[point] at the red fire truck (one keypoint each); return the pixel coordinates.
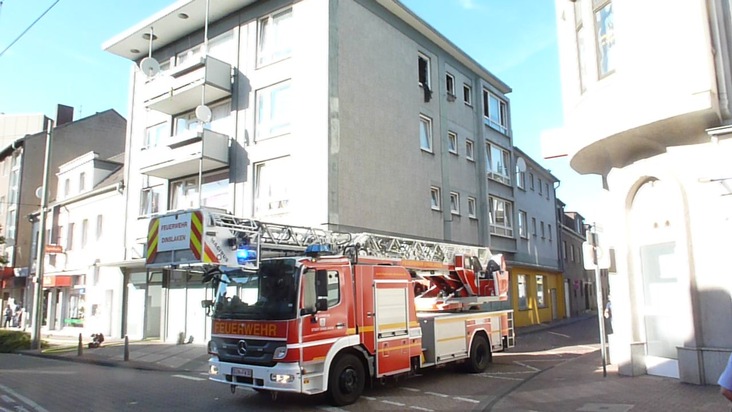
(308, 311)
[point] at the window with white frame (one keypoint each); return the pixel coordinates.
(501, 216)
(472, 207)
(533, 226)
(67, 187)
(10, 223)
(543, 231)
(467, 94)
(435, 199)
(497, 163)
(274, 110)
(156, 134)
(522, 224)
(454, 203)
(423, 68)
(605, 29)
(82, 181)
(469, 150)
(425, 133)
(495, 112)
(581, 45)
(70, 236)
(275, 37)
(564, 249)
(540, 292)
(450, 86)
(84, 232)
(523, 303)
(452, 142)
(99, 227)
(14, 181)
(549, 232)
(546, 190)
(214, 191)
(219, 47)
(189, 123)
(150, 198)
(520, 178)
(541, 191)
(531, 180)
(271, 186)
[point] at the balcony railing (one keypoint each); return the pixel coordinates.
(180, 89)
(184, 155)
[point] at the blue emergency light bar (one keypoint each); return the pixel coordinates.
(245, 255)
(318, 250)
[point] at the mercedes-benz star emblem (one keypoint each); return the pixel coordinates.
(241, 347)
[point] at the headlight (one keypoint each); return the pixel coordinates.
(212, 348)
(281, 378)
(280, 352)
(213, 370)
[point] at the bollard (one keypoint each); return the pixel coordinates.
(80, 349)
(127, 349)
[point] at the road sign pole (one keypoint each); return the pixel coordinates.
(598, 294)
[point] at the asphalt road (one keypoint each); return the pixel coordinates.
(39, 384)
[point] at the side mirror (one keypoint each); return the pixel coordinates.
(206, 304)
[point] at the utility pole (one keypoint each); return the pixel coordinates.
(598, 294)
(40, 256)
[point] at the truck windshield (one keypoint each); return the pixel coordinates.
(268, 294)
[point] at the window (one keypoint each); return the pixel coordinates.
(531, 180)
(467, 95)
(501, 212)
(14, 186)
(435, 201)
(469, 150)
(10, 224)
(423, 66)
(452, 142)
(275, 37)
(67, 187)
(450, 86)
(3, 205)
(472, 208)
(497, 163)
(82, 181)
(271, 186)
(425, 133)
(564, 249)
(214, 192)
(274, 110)
(150, 200)
(520, 178)
(540, 188)
(543, 231)
(522, 221)
(154, 135)
(454, 203)
(605, 29)
(84, 232)
(581, 52)
(546, 190)
(70, 236)
(549, 232)
(99, 227)
(533, 226)
(334, 288)
(571, 253)
(523, 303)
(540, 297)
(495, 112)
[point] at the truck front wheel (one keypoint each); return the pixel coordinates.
(346, 380)
(480, 355)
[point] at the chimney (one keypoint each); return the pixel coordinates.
(64, 114)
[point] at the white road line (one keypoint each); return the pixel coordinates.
(419, 408)
(410, 389)
(23, 399)
(331, 409)
(457, 398)
(191, 378)
(7, 399)
(37, 372)
(526, 366)
(393, 403)
(507, 373)
(560, 334)
(369, 398)
(503, 377)
(441, 395)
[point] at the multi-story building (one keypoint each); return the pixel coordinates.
(646, 90)
(352, 115)
(579, 283)
(22, 164)
(536, 276)
(85, 225)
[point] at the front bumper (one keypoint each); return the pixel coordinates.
(283, 377)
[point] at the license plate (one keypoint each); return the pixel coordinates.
(247, 373)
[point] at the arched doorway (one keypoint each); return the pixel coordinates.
(661, 297)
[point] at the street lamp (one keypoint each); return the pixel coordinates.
(38, 286)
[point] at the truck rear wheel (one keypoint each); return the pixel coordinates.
(346, 380)
(480, 355)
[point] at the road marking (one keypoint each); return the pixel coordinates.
(411, 389)
(457, 398)
(31, 372)
(502, 377)
(331, 409)
(393, 403)
(23, 399)
(191, 378)
(419, 408)
(441, 395)
(7, 399)
(560, 334)
(369, 398)
(526, 366)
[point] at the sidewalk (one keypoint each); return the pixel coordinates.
(575, 385)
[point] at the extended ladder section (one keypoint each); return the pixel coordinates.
(448, 276)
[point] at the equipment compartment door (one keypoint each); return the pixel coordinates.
(392, 327)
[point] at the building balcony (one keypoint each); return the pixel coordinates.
(181, 88)
(183, 155)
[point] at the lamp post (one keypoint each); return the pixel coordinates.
(38, 286)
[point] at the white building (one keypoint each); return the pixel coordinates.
(646, 100)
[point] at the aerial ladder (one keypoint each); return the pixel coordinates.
(447, 276)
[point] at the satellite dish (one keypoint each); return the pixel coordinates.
(521, 164)
(150, 66)
(39, 192)
(203, 113)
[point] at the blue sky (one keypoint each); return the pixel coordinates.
(60, 60)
